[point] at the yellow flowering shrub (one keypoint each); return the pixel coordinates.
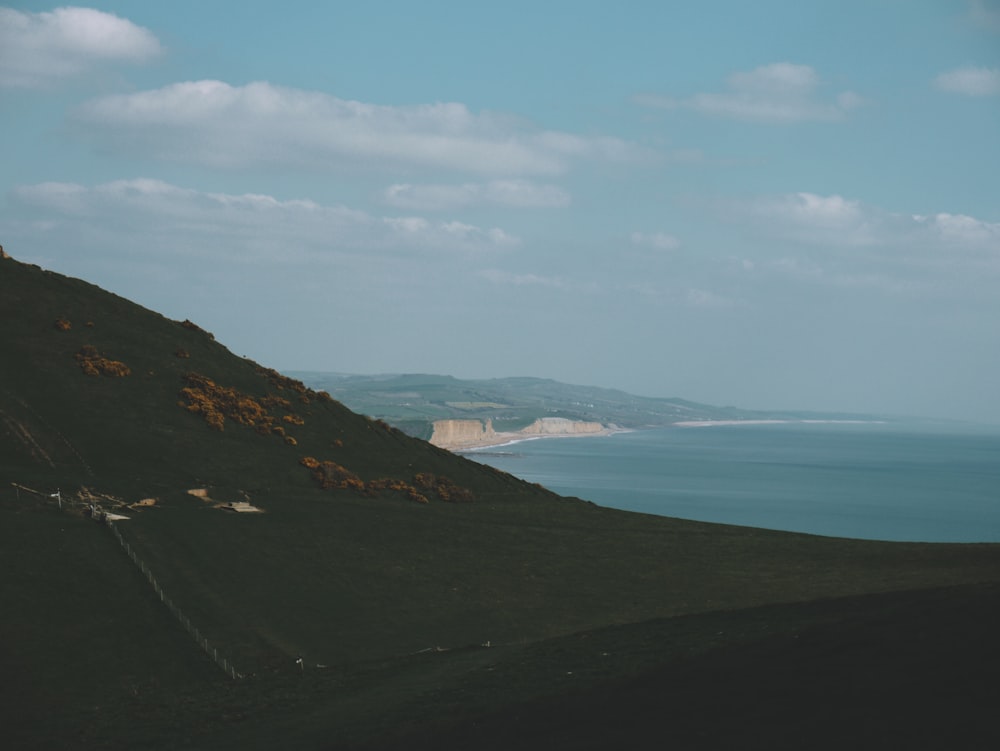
(93, 363)
(443, 487)
(273, 400)
(216, 403)
(330, 475)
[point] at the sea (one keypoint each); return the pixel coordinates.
(876, 481)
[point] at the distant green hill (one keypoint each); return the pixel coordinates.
(392, 594)
(413, 402)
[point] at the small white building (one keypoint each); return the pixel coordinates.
(240, 507)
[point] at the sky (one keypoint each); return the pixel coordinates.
(772, 205)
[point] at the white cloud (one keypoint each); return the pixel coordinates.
(839, 221)
(775, 93)
(811, 217)
(521, 280)
(512, 193)
(213, 123)
(418, 231)
(37, 48)
(141, 213)
(840, 242)
(970, 81)
(961, 230)
(657, 240)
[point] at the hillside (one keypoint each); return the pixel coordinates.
(135, 433)
(390, 594)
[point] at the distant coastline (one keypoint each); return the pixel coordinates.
(474, 435)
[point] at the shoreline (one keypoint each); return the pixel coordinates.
(498, 440)
(509, 439)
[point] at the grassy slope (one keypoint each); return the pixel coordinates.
(347, 581)
(369, 578)
(80, 630)
(906, 670)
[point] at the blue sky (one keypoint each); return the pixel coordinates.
(774, 204)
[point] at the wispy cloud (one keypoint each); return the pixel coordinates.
(656, 240)
(498, 276)
(970, 81)
(214, 123)
(702, 298)
(812, 217)
(511, 193)
(847, 243)
(415, 230)
(835, 273)
(39, 48)
(143, 214)
(962, 231)
(835, 220)
(775, 93)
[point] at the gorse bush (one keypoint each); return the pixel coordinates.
(220, 403)
(444, 487)
(93, 363)
(273, 400)
(329, 475)
(216, 403)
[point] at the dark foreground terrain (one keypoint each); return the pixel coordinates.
(393, 595)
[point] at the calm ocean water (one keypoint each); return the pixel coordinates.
(872, 481)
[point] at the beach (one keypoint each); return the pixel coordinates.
(509, 439)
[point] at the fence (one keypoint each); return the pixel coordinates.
(201, 640)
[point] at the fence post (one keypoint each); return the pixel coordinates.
(202, 641)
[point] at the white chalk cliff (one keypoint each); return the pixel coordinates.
(463, 434)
